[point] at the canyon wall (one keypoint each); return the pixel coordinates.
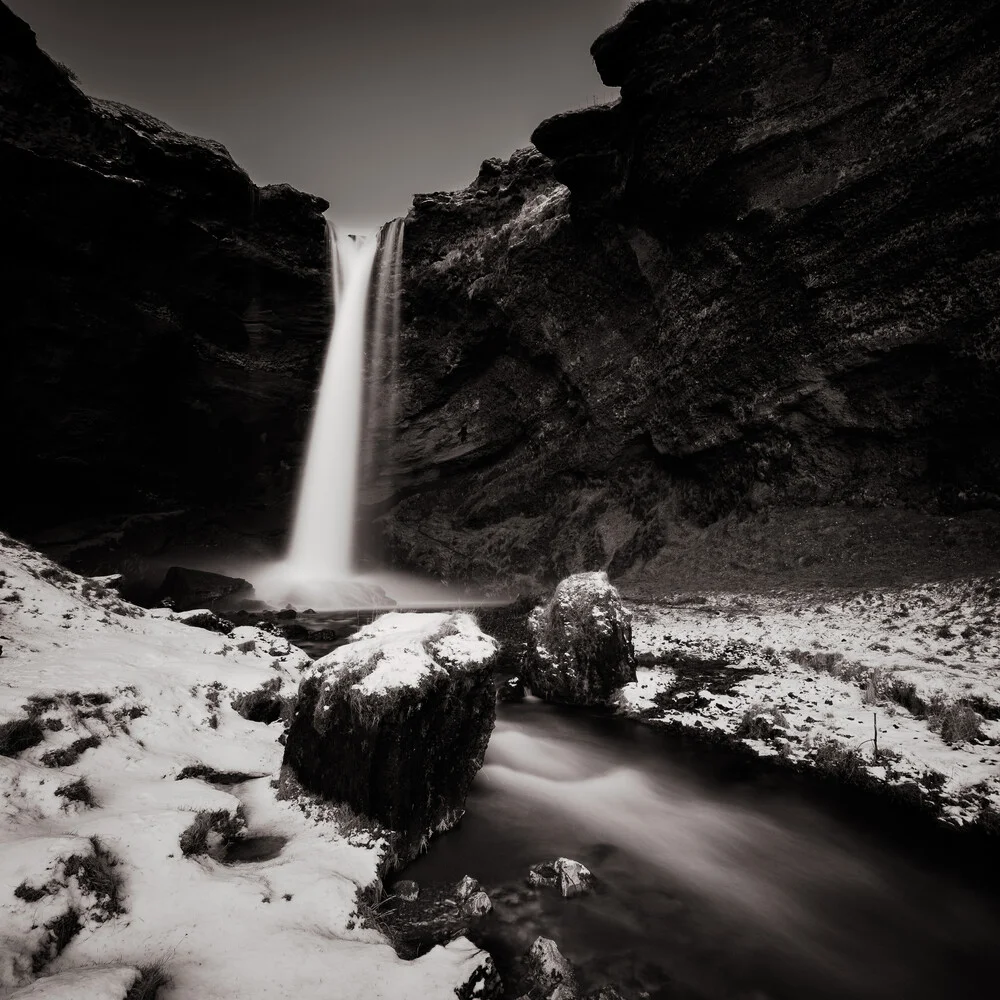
(163, 317)
(764, 280)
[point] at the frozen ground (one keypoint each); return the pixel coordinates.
(820, 679)
(94, 883)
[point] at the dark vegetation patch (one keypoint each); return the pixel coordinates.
(959, 721)
(694, 674)
(151, 979)
(66, 756)
(215, 777)
(264, 704)
(56, 574)
(761, 722)
(99, 875)
(59, 932)
(78, 791)
(31, 893)
(211, 832)
(19, 735)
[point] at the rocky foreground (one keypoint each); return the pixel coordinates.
(204, 806)
(142, 837)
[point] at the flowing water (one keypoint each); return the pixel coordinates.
(708, 888)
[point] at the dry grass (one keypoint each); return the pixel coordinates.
(98, 874)
(67, 756)
(152, 978)
(760, 721)
(19, 735)
(78, 791)
(211, 831)
(957, 723)
(264, 704)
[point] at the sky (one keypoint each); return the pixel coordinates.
(365, 102)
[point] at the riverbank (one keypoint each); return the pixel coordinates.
(894, 690)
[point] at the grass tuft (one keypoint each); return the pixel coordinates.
(19, 735)
(759, 722)
(66, 756)
(211, 831)
(957, 723)
(78, 791)
(152, 978)
(99, 875)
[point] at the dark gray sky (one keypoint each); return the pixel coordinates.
(362, 101)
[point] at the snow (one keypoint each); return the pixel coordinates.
(80, 984)
(944, 638)
(156, 693)
(403, 649)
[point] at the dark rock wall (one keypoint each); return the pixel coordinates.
(772, 282)
(163, 317)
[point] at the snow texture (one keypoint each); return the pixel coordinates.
(150, 696)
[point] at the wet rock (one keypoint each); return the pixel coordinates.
(549, 971)
(570, 877)
(608, 992)
(203, 618)
(581, 643)
(671, 354)
(438, 913)
(396, 722)
(512, 690)
(188, 589)
(407, 889)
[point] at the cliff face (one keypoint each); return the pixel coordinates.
(765, 278)
(163, 316)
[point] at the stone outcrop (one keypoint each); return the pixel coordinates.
(581, 649)
(570, 877)
(395, 723)
(164, 317)
(189, 589)
(764, 279)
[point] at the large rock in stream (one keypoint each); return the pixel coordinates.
(396, 722)
(581, 650)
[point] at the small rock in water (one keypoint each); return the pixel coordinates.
(466, 887)
(407, 889)
(608, 992)
(477, 905)
(549, 970)
(570, 877)
(512, 690)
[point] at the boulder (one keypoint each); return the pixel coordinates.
(395, 723)
(549, 972)
(188, 589)
(512, 690)
(581, 649)
(406, 889)
(203, 618)
(570, 877)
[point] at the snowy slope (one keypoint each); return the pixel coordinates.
(846, 669)
(148, 696)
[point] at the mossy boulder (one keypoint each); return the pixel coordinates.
(396, 722)
(581, 649)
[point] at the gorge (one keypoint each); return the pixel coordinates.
(682, 419)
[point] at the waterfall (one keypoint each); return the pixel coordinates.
(322, 542)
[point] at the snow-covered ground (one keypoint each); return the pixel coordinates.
(819, 679)
(125, 700)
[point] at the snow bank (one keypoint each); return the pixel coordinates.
(124, 701)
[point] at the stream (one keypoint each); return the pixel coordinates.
(709, 886)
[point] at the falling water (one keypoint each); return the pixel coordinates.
(322, 543)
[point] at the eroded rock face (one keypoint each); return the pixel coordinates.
(581, 643)
(763, 279)
(164, 317)
(396, 722)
